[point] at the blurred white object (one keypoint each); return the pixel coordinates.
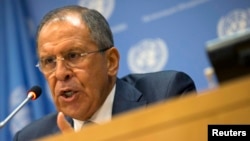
(210, 76)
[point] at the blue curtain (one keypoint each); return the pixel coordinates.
(18, 72)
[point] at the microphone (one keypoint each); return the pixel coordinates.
(33, 94)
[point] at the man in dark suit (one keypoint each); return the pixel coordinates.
(78, 59)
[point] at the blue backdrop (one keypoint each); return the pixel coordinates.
(150, 35)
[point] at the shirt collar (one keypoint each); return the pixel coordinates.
(103, 114)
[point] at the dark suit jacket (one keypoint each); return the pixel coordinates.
(132, 91)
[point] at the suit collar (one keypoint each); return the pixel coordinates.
(126, 98)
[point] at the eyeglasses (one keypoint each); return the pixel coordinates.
(71, 59)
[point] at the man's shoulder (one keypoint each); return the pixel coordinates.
(161, 77)
(50, 118)
(135, 77)
(160, 85)
(39, 128)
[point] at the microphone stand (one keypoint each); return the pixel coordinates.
(15, 111)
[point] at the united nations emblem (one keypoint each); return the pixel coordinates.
(105, 7)
(22, 118)
(236, 21)
(149, 55)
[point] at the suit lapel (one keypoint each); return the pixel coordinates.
(126, 98)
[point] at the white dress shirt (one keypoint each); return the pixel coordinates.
(102, 115)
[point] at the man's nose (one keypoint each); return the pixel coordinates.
(62, 70)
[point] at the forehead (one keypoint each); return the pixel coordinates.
(63, 30)
(60, 29)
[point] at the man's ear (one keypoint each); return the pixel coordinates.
(113, 58)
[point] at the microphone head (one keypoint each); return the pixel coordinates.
(35, 91)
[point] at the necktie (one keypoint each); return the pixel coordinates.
(86, 123)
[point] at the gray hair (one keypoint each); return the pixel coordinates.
(98, 26)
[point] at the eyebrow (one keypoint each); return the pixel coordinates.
(66, 50)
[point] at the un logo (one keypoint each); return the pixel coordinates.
(103, 6)
(149, 55)
(22, 118)
(236, 21)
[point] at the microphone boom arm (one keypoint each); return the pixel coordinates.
(16, 110)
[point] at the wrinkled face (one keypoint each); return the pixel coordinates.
(77, 91)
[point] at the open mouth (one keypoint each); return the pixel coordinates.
(67, 94)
